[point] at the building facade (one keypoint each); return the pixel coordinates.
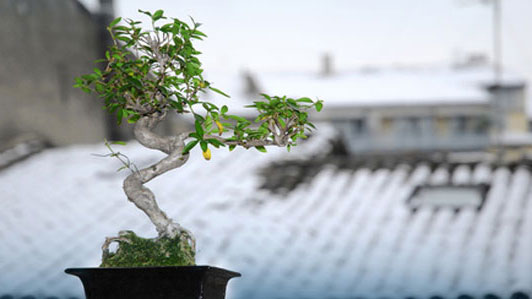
(436, 126)
(45, 45)
(413, 110)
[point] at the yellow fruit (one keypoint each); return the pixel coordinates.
(207, 154)
(220, 128)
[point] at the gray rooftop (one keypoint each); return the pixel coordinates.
(344, 233)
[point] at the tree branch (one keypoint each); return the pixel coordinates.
(244, 143)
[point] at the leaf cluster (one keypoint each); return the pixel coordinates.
(154, 71)
(149, 71)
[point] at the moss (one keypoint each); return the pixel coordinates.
(134, 251)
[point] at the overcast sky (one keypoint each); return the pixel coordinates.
(292, 35)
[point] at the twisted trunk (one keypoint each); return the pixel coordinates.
(134, 187)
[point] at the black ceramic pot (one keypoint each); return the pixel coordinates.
(190, 282)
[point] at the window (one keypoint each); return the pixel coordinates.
(449, 196)
(409, 126)
(442, 126)
(413, 125)
(387, 125)
(359, 126)
(481, 124)
(460, 125)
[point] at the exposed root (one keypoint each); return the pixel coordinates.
(109, 240)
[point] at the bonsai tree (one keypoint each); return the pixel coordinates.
(150, 74)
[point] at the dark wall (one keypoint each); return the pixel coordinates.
(44, 44)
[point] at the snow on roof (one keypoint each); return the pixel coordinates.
(20, 149)
(345, 233)
(377, 87)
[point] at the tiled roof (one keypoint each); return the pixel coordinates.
(343, 234)
(20, 149)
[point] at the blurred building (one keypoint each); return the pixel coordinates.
(471, 118)
(45, 44)
(411, 110)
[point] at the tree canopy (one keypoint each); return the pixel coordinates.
(155, 71)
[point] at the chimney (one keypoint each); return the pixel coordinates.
(251, 87)
(326, 65)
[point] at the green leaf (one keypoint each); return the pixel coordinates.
(319, 106)
(237, 118)
(118, 142)
(224, 109)
(266, 96)
(167, 27)
(209, 106)
(176, 105)
(208, 124)
(157, 15)
(99, 87)
(304, 100)
(197, 32)
(133, 119)
(189, 146)
(193, 22)
(292, 102)
(122, 28)
(135, 82)
(85, 89)
(215, 142)
(115, 21)
(199, 128)
(283, 124)
(112, 107)
(145, 12)
(204, 145)
(232, 147)
(194, 135)
(124, 39)
(219, 91)
(261, 149)
(119, 115)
